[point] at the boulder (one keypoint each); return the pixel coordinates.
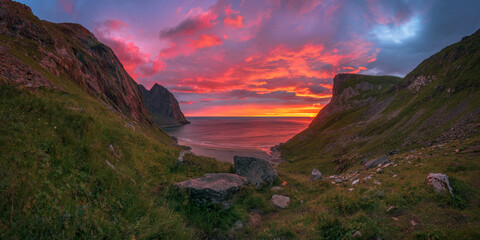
(213, 187)
(316, 175)
(440, 182)
(375, 162)
(258, 171)
(280, 201)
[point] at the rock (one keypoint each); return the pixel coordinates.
(163, 106)
(355, 182)
(357, 234)
(375, 162)
(391, 208)
(276, 188)
(413, 222)
(379, 170)
(316, 175)
(181, 155)
(440, 182)
(280, 201)
(213, 187)
(258, 171)
(377, 182)
(350, 189)
(338, 180)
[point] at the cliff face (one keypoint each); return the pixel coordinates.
(163, 106)
(373, 115)
(34, 48)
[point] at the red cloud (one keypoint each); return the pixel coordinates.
(205, 41)
(235, 22)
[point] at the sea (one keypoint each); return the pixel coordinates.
(224, 137)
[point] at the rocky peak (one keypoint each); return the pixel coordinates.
(68, 51)
(354, 90)
(163, 106)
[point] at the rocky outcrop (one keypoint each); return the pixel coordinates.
(67, 51)
(352, 91)
(280, 201)
(258, 171)
(163, 106)
(439, 182)
(213, 188)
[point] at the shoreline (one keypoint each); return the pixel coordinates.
(226, 154)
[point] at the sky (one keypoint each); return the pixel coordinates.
(269, 57)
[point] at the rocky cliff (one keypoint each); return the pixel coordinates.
(373, 115)
(34, 51)
(163, 106)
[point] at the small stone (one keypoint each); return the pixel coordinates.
(377, 182)
(395, 175)
(280, 201)
(276, 188)
(457, 150)
(391, 208)
(350, 189)
(394, 218)
(355, 182)
(413, 222)
(379, 170)
(338, 180)
(357, 234)
(316, 175)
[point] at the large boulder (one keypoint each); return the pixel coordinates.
(316, 175)
(440, 182)
(258, 171)
(213, 187)
(375, 162)
(280, 201)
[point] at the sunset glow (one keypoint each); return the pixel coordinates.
(255, 58)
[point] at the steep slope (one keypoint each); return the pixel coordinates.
(65, 50)
(437, 102)
(163, 106)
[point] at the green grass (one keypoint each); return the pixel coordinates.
(56, 182)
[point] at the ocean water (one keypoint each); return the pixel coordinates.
(224, 137)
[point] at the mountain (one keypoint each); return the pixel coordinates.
(64, 50)
(163, 106)
(370, 116)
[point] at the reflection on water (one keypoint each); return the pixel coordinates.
(225, 137)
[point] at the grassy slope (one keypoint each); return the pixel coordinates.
(322, 210)
(55, 181)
